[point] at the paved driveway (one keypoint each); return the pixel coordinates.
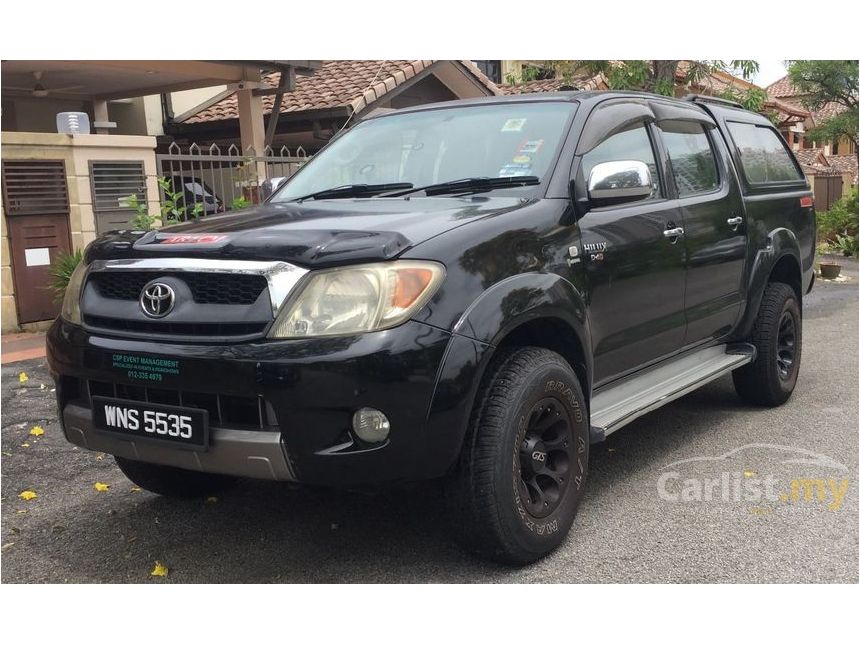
(645, 517)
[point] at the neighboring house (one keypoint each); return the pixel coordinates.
(827, 174)
(785, 91)
(789, 118)
(340, 92)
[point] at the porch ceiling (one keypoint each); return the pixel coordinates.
(116, 79)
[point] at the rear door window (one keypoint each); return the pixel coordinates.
(693, 164)
(763, 154)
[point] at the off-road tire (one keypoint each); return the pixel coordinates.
(485, 494)
(172, 482)
(763, 382)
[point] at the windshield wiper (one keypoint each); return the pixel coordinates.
(354, 190)
(469, 185)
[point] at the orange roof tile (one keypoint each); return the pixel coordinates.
(337, 83)
(844, 164)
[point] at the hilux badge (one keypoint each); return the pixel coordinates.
(157, 299)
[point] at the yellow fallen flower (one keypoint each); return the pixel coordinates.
(160, 570)
(27, 495)
(37, 431)
(23, 378)
(100, 487)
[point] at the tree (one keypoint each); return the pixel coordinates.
(820, 82)
(660, 76)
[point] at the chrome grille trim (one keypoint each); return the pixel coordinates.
(282, 277)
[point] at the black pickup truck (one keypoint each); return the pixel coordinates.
(472, 291)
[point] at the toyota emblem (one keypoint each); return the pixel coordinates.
(157, 299)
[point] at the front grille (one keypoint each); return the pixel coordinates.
(237, 412)
(206, 288)
(174, 328)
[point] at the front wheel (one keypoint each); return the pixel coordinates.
(522, 473)
(770, 379)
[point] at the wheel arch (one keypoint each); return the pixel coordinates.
(778, 261)
(535, 309)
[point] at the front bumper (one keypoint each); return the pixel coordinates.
(306, 391)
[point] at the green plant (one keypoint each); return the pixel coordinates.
(848, 245)
(840, 220)
(823, 82)
(239, 202)
(172, 210)
(659, 76)
(61, 272)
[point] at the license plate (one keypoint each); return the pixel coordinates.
(187, 427)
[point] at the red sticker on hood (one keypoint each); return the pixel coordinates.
(190, 238)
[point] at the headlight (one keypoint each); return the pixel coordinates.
(71, 310)
(355, 299)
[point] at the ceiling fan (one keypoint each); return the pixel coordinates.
(38, 90)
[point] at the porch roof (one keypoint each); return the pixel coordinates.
(118, 79)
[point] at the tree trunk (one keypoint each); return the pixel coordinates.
(663, 73)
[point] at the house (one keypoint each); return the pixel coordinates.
(61, 189)
(207, 125)
(783, 90)
(340, 92)
(827, 174)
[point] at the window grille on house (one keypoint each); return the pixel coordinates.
(35, 188)
(112, 184)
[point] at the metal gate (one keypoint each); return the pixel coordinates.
(36, 203)
(222, 180)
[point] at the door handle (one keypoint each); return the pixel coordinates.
(734, 222)
(673, 233)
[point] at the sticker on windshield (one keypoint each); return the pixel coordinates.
(531, 147)
(516, 170)
(522, 159)
(513, 125)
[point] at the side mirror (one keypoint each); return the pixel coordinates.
(271, 185)
(618, 182)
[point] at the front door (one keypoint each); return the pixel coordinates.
(633, 268)
(36, 206)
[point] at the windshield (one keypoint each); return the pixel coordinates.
(434, 146)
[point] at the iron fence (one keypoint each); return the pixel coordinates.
(212, 180)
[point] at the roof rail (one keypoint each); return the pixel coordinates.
(702, 98)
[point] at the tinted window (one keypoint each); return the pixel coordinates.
(693, 163)
(631, 145)
(763, 154)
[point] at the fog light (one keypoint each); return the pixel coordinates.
(370, 425)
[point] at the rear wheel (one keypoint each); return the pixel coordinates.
(172, 482)
(522, 472)
(770, 379)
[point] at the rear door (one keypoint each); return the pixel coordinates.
(714, 220)
(634, 271)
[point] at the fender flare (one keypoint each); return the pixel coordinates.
(497, 312)
(779, 243)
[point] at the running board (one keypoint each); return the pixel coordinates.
(619, 404)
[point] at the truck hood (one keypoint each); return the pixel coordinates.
(311, 234)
